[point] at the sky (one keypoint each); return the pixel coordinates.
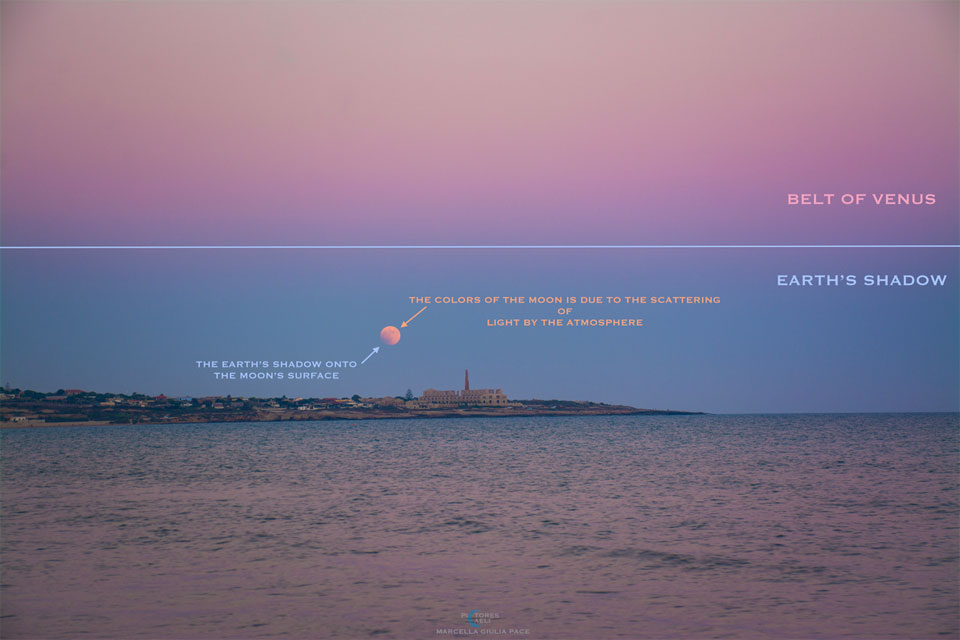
(474, 123)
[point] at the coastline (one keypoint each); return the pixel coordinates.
(324, 416)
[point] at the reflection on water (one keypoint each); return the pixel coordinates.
(817, 526)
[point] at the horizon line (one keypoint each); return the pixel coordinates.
(482, 246)
(955, 410)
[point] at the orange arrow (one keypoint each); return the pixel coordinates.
(412, 317)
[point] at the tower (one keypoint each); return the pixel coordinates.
(466, 380)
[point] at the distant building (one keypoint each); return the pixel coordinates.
(466, 398)
(383, 403)
(435, 398)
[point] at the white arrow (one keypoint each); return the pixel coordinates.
(375, 350)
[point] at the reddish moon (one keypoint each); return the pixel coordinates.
(390, 336)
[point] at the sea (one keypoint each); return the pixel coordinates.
(586, 528)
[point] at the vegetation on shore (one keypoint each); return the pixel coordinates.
(73, 406)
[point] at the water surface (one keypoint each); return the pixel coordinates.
(814, 526)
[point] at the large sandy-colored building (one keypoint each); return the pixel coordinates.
(467, 397)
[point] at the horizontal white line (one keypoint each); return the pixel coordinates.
(492, 246)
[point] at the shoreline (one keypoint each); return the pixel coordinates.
(324, 416)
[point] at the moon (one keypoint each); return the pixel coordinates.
(390, 336)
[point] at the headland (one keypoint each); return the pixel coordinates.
(74, 407)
